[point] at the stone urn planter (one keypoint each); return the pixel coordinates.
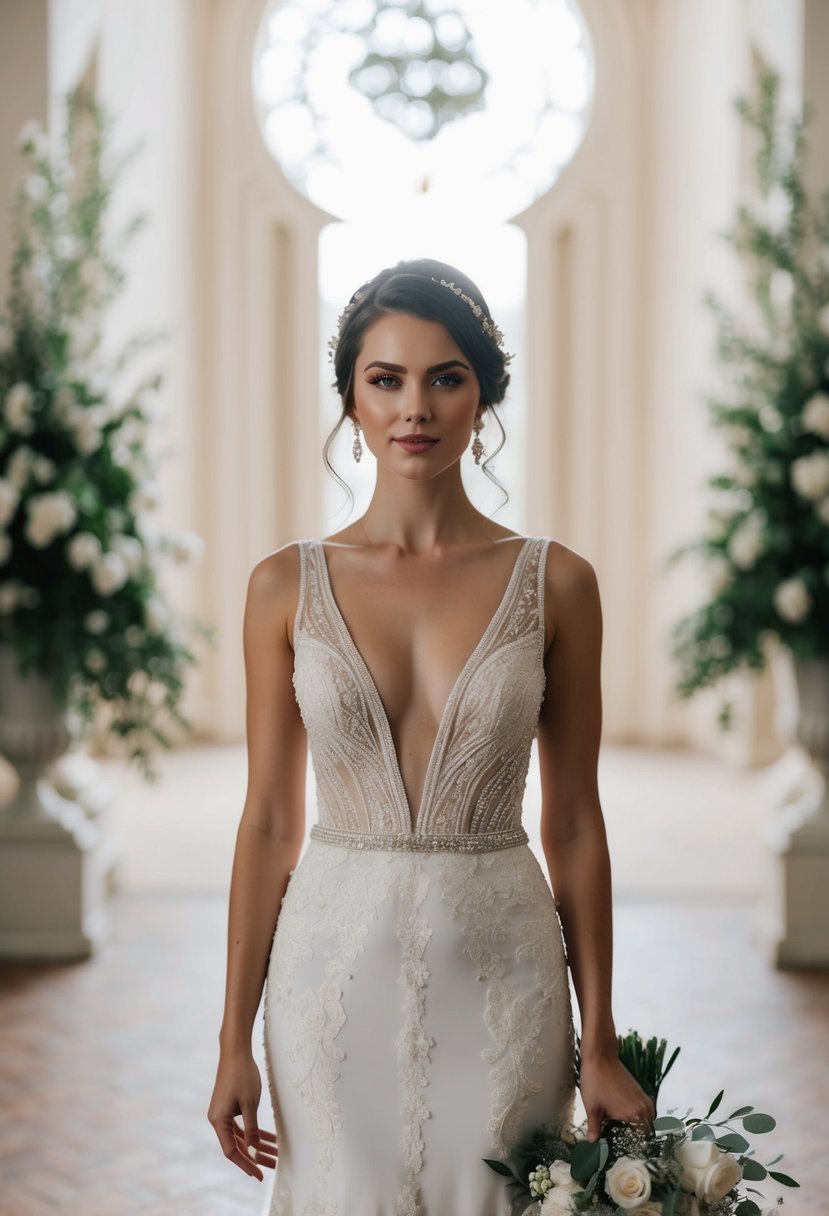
(798, 929)
(51, 891)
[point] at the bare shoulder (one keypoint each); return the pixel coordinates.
(571, 589)
(273, 589)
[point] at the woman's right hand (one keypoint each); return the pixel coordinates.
(237, 1091)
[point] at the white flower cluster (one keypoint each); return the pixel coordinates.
(708, 1171)
(554, 1185)
(746, 542)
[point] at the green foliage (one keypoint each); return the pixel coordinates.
(81, 600)
(766, 548)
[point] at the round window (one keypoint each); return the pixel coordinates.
(433, 105)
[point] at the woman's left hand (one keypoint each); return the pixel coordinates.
(609, 1091)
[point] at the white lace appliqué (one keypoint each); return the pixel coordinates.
(507, 911)
(329, 914)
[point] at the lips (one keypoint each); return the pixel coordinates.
(415, 443)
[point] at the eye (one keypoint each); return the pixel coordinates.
(450, 379)
(384, 380)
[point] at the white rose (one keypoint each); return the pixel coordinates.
(628, 1182)
(694, 1157)
(6, 338)
(720, 1177)
(10, 595)
(19, 466)
(556, 1203)
(792, 600)
(746, 542)
(109, 574)
(44, 469)
(561, 1177)
(32, 138)
(18, 408)
(130, 549)
(5, 548)
(810, 475)
(83, 551)
(9, 498)
(96, 621)
(815, 416)
(96, 661)
(822, 509)
(145, 498)
(823, 319)
(771, 420)
(134, 635)
(86, 433)
(49, 515)
(36, 187)
(652, 1208)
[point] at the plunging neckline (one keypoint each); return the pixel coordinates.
(412, 825)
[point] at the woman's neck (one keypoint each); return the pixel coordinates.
(418, 516)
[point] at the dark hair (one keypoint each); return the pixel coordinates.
(414, 287)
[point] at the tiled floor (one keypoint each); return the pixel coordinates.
(106, 1067)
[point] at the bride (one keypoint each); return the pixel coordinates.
(414, 961)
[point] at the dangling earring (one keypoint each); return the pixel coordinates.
(477, 445)
(356, 447)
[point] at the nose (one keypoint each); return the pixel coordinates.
(417, 405)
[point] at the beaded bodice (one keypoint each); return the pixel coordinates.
(477, 770)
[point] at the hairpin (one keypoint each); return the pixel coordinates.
(489, 327)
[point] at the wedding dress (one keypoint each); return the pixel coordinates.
(417, 1008)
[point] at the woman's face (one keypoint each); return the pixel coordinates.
(412, 379)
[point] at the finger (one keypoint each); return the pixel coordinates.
(594, 1124)
(233, 1153)
(251, 1126)
(262, 1153)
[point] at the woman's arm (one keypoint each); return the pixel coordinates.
(268, 841)
(573, 831)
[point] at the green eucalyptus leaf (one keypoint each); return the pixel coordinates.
(783, 1179)
(753, 1170)
(499, 1167)
(703, 1132)
(733, 1142)
(747, 1207)
(715, 1103)
(667, 1123)
(585, 1158)
(742, 1110)
(759, 1123)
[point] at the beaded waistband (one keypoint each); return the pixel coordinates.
(417, 842)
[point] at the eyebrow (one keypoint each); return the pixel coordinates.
(438, 367)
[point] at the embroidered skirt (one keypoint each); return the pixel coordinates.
(417, 1019)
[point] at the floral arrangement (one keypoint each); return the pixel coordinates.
(766, 547)
(680, 1167)
(81, 601)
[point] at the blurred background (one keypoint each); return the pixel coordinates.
(582, 162)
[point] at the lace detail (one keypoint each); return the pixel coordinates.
(412, 1044)
(507, 911)
(477, 771)
(328, 914)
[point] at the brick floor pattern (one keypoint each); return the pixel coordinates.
(106, 1066)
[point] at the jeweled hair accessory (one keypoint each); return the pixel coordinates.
(333, 342)
(489, 327)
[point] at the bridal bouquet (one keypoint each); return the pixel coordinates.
(681, 1167)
